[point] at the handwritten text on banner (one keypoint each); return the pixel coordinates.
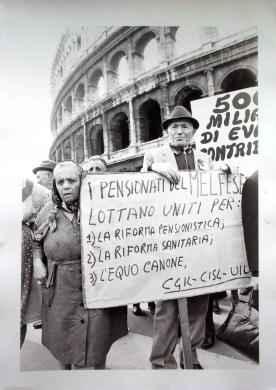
(145, 239)
(229, 127)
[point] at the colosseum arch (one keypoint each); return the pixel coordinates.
(186, 94)
(79, 97)
(95, 140)
(67, 149)
(68, 108)
(238, 79)
(150, 121)
(119, 131)
(119, 73)
(96, 86)
(78, 142)
(146, 54)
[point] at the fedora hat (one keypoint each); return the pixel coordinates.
(47, 165)
(180, 112)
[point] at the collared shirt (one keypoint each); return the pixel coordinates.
(184, 159)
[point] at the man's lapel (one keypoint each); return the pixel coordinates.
(168, 156)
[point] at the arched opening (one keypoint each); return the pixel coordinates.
(123, 73)
(119, 132)
(78, 142)
(95, 140)
(238, 79)
(68, 109)
(67, 150)
(150, 121)
(101, 87)
(96, 86)
(118, 74)
(151, 55)
(146, 54)
(186, 95)
(79, 97)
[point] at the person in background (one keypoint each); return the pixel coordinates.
(44, 173)
(213, 307)
(77, 337)
(34, 197)
(178, 154)
(44, 177)
(250, 212)
(96, 164)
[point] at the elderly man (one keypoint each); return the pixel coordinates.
(44, 173)
(179, 154)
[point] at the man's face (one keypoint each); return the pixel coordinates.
(180, 132)
(96, 166)
(44, 178)
(68, 183)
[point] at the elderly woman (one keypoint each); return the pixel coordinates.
(76, 336)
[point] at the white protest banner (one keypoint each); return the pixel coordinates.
(145, 239)
(229, 128)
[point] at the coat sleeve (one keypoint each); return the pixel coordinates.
(43, 223)
(148, 161)
(250, 222)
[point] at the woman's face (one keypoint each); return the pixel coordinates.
(68, 183)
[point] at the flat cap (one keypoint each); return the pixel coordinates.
(47, 165)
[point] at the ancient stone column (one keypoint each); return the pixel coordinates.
(62, 151)
(85, 148)
(210, 81)
(73, 157)
(130, 61)
(166, 45)
(165, 109)
(132, 133)
(105, 136)
(105, 75)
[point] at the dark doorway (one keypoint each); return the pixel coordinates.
(238, 79)
(119, 132)
(150, 121)
(186, 95)
(95, 141)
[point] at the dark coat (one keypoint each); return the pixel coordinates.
(250, 222)
(73, 334)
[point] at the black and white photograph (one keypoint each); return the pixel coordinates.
(135, 235)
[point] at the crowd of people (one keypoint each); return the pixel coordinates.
(51, 292)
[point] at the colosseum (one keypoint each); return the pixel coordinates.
(113, 86)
